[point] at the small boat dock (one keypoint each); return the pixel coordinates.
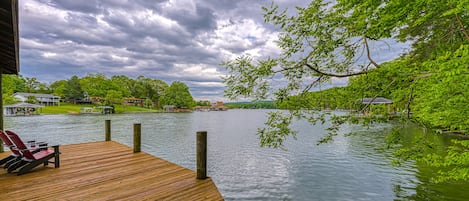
(106, 171)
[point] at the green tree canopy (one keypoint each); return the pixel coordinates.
(73, 88)
(178, 94)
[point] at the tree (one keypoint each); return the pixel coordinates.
(73, 88)
(113, 97)
(96, 85)
(147, 88)
(31, 84)
(178, 94)
(331, 39)
(31, 99)
(11, 84)
(59, 88)
(203, 103)
(123, 84)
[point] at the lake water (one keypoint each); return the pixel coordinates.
(356, 167)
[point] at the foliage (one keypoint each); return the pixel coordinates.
(252, 105)
(448, 164)
(59, 88)
(10, 85)
(203, 103)
(178, 94)
(441, 100)
(73, 89)
(328, 99)
(31, 99)
(455, 163)
(276, 130)
(108, 91)
(113, 97)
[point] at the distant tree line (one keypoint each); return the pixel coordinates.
(252, 105)
(109, 91)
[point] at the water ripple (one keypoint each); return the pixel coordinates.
(350, 168)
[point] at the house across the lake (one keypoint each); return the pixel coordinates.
(218, 106)
(42, 99)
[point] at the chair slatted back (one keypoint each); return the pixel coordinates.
(8, 142)
(20, 145)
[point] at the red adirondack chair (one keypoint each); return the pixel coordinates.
(15, 155)
(30, 160)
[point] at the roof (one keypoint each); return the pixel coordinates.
(35, 95)
(9, 37)
(23, 105)
(377, 100)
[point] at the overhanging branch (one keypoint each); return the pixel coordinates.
(368, 53)
(461, 26)
(333, 74)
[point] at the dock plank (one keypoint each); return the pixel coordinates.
(107, 171)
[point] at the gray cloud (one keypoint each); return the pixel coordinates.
(183, 40)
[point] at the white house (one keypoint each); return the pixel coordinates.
(43, 99)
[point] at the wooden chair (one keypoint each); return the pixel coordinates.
(30, 160)
(15, 155)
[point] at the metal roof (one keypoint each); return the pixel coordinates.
(28, 105)
(9, 37)
(35, 95)
(377, 100)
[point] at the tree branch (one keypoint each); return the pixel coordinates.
(461, 25)
(333, 74)
(315, 82)
(368, 54)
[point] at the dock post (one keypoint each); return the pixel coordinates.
(201, 154)
(107, 129)
(137, 137)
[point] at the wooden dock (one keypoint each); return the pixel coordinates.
(106, 171)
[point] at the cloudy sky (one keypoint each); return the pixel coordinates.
(183, 40)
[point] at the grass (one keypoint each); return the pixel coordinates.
(68, 108)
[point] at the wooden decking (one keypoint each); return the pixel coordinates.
(106, 171)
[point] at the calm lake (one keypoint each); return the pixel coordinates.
(356, 167)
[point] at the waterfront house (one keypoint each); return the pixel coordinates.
(42, 99)
(218, 106)
(133, 101)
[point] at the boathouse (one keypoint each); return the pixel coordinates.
(376, 101)
(21, 109)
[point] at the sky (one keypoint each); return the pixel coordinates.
(170, 40)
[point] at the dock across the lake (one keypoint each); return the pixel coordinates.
(106, 171)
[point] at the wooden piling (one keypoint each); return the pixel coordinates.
(137, 137)
(107, 129)
(201, 154)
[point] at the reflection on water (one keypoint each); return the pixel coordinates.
(350, 168)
